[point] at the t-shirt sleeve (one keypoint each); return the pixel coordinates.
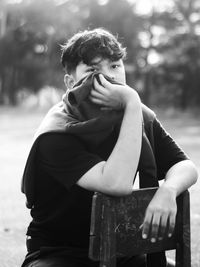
(64, 157)
(167, 151)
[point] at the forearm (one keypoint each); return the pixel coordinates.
(162, 209)
(115, 176)
(180, 177)
(121, 166)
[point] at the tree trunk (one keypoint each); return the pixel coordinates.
(147, 87)
(11, 90)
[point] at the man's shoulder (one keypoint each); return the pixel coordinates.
(55, 140)
(148, 114)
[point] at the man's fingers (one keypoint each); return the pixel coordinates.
(97, 101)
(99, 88)
(146, 225)
(96, 94)
(103, 81)
(172, 221)
(155, 227)
(163, 226)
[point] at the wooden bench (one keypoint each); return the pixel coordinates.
(115, 228)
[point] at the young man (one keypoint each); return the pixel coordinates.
(97, 139)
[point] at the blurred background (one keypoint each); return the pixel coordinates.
(163, 64)
(162, 40)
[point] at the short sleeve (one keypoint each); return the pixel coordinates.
(64, 157)
(167, 151)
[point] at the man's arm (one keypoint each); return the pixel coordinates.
(162, 209)
(115, 176)
(180, 177)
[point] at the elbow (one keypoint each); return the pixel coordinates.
(118, 189)
(120, 192)
(193, 172)
(195, 176)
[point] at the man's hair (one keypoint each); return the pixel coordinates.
(86, 45)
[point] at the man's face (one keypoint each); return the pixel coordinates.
(114, 69)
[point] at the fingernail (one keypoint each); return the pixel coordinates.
(153, 240)
(160, 238)
(140, 227)
(144, 236)
(169, 235)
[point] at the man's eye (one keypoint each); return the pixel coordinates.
(91, 70)
(115, 66)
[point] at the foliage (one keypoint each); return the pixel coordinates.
(163, 45)
(180, 51)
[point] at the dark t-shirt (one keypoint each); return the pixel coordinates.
(61, 213)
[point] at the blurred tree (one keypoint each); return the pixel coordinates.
(24, 61)
(177, 41)
(163, 46)
(36, 28)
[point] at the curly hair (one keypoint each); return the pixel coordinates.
(86, 45)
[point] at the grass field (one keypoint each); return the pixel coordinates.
(17, 126)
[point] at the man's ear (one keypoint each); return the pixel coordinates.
(69, 81)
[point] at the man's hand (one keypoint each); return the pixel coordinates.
(160, 215)
(110, 95)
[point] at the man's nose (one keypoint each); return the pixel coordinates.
(108, 74)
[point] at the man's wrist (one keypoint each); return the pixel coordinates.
(133, 100)
(172, 190)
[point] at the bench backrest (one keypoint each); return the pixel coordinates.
(115, 228)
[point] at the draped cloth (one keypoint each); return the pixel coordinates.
(77, 115)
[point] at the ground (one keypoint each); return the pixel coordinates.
(17, 126)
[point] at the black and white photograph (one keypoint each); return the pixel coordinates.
(99, 133)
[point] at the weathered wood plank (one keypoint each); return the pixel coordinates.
(116, 231)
